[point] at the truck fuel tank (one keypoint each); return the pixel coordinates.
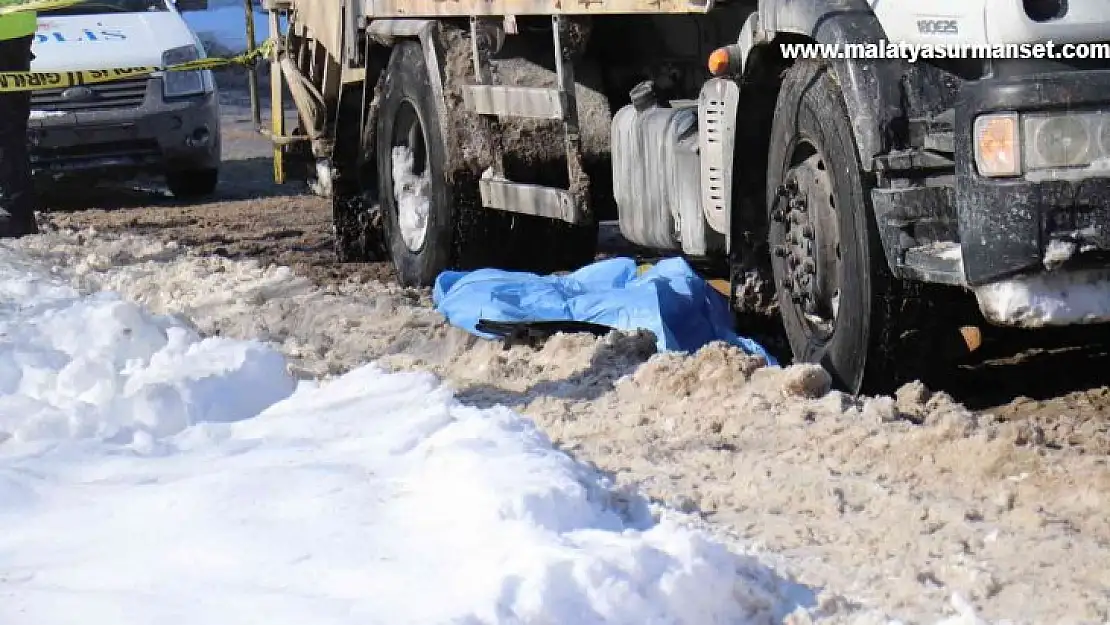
(656, 173)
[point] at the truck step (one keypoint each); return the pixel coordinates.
(528, 199)
(507, 101)
(937, 262)
(492, 101)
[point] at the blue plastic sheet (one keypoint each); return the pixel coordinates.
(670, 299)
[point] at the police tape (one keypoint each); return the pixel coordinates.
(37, 81)
(37, 5)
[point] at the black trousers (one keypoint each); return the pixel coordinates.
(17, 216)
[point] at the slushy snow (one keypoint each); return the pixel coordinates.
(149, 475)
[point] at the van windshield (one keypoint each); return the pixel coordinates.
(93, 7)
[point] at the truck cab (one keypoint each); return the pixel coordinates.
(164, 124)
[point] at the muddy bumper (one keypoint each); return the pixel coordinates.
(113, 135)
(1033, 197)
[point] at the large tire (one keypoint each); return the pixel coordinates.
(408, 118)
(356, 218)
(829, 262)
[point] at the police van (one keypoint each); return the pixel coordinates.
(165, 124)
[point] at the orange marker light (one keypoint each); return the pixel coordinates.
(996, 145)
(719, 62)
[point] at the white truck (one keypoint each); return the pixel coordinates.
(873, 204)
(165, 124)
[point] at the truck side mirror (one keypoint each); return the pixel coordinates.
(191, 5)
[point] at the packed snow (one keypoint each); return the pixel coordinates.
(411, 192)
(149, 475)
(1051, 298)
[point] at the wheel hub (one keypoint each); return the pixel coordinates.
(810, 249)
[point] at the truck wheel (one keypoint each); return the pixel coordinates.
(416, 202)
(840, 305)
(192, 184)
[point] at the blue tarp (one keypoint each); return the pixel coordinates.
(670, 299)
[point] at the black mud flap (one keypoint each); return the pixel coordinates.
(534, 333)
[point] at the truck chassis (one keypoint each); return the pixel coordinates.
(843, 194)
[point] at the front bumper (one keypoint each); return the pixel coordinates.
(1035, 247)
(123, 132)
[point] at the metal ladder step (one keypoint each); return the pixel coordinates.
(559, 104)
(528, 199)
(505, 101)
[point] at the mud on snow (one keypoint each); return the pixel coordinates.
(996, 492)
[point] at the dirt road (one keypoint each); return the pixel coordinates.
(997, 490)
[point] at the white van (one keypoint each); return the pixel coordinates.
(166, 124)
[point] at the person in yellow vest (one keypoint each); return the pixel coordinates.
(17, 216)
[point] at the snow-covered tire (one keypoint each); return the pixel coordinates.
(878, 332)
(408, 119)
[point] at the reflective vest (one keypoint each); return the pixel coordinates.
(15, 25)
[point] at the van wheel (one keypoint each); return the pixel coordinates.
(840, 304)
(193, 183)
(416, 201)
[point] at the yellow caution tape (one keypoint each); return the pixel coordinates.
(37, 5)
(35, 81)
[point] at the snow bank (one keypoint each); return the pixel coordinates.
(150, 476)
(103, 368)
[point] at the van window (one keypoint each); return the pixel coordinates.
(93, 7)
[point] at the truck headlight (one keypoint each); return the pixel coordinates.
(176, 84)
(997, 147)
(1072, 139)
(1043, 143)
(1059, 140)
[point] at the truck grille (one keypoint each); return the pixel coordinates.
(119, 94)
